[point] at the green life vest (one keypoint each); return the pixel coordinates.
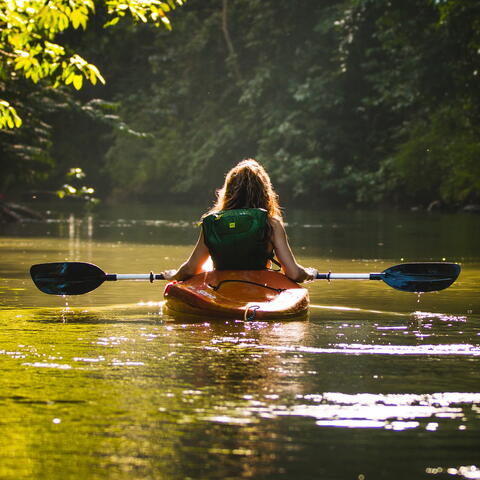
(238, 239)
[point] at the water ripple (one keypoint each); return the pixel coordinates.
(363, 410)
(377, 349)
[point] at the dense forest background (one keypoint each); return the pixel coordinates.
(359, 101)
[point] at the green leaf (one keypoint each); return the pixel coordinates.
(16, 119)
(94, 72)
(112, 22)
(69, 79)
(76, 18)
(78, 81)
(166, 22)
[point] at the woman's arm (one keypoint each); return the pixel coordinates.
(285, 256)
(193, 265)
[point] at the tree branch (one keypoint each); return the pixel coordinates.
(231, 50)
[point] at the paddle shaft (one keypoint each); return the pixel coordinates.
(113, 277)
(109, 277)
(349, 276)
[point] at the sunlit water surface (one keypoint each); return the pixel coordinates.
(375, 383)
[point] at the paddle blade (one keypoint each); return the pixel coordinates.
(67, 278)
(421, 277)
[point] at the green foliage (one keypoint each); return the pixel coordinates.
(28, 47)
(212, 117)
(8, 116)
(440, 159)
(74, 187)
(329, 97)
(27, 41)
(25, 153)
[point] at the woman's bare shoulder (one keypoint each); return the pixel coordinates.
(275, 221)
(277, 224)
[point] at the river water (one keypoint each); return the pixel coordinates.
(375, 383)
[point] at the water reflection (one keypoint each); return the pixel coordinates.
(326, 233)
(389, 411)
(465, 471)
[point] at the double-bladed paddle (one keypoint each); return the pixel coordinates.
(77, 278)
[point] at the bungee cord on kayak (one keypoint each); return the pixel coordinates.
(233, 280)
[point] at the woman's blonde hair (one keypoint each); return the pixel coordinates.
(247, 185)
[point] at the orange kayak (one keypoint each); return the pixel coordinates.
(247, 294)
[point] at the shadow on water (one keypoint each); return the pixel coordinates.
(30, 401)
(116, 315)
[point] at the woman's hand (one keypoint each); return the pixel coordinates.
(168, 274)
(284, 254)
(311, 274)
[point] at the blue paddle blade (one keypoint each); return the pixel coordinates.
(67, 278)
(421, 277)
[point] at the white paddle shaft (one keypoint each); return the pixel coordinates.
(349, 276)
(133, 276)
(331, 276)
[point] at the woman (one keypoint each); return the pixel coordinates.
(244, 229)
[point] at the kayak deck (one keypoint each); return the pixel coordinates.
(248, 294)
